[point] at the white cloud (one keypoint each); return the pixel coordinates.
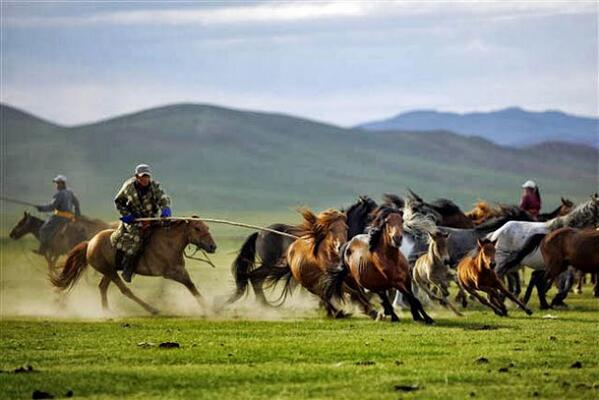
(277, 12)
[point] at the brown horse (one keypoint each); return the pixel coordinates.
(162, 256)
(476, 272)
(375, 263)
(569, 246)
(83, 228)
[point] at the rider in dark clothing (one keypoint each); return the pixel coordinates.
(65, 207)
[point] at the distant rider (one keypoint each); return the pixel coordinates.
(140, 197)
(531, 198)
(65, 206)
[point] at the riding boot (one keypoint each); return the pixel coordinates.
(128, 267)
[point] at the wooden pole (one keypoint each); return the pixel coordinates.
(218, 221)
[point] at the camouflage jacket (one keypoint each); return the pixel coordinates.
(130, 200)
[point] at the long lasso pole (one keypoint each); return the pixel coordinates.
(218, 221)
(25, 203)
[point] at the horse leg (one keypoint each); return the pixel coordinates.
(387, 306)
(359, 297)
(182, 276)
(440, 299)
(418, 313)
(534, 277)
(104, 283)
(127, 292)
(596, 287)
(484, 301)
(564, 284)
(257, 277)
(579, 281)
(513, 298)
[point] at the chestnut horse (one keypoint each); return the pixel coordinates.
(162, 256)
(317, 249)
(569, 246)
(476, 272)
(375, 262)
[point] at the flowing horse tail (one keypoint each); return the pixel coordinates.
(73, 267)
(276, 274)
(243, 265)
(333, 279)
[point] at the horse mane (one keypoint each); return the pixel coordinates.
(531, 244)
(581, 216)
(375, 229)
(358, 215)
(316, 227)
(419, 225)
(393, 200)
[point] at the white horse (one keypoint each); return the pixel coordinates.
(518, 244)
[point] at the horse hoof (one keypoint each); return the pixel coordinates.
(528, 312)
(154, 311)
(429, 322)
(374, 315)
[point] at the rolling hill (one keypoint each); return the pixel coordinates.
(218, 159)
(511, 126)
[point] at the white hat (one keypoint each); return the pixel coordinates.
(60, 178)
(529, 184)
(143, 169)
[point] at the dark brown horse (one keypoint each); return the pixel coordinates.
(162, 256)
(569, 246)
(83, 228)
(375, 263)
(476, 272)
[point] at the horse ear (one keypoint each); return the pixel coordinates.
(445, 234)
(479, 243)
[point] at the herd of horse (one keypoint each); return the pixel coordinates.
(406, 252)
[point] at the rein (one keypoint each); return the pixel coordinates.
(205, 259)
(218, 221)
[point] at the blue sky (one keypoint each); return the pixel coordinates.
(343, 62)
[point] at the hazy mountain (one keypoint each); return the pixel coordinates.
(511, 126)
(213, 158)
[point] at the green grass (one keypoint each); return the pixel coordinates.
(293, 352)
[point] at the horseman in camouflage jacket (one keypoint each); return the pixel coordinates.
(140, 197)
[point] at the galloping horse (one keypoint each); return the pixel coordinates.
(317, 249)
(375, 262)
(518, 244)
(432, 269)
(162, 256)
(475, 272)
(569, 246)
(263, 255)
(67, 237)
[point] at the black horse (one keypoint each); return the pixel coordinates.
(263, 254)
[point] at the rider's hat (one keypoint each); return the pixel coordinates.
(143, 169)
(529, 184)
(60, 178)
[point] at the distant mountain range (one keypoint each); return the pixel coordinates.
(511, 126)
(213, 158)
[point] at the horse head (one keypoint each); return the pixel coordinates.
(387, 221)
(486, 249)
(27, 224)
(198, 233)
(438, 244)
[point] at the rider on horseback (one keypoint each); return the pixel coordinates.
(65, 206)
(140, 197)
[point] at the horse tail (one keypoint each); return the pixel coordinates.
(244, 264)
(280, 274)
(73, 267)
(333, 278)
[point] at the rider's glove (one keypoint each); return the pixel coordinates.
(166, 212)
(128, 219)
